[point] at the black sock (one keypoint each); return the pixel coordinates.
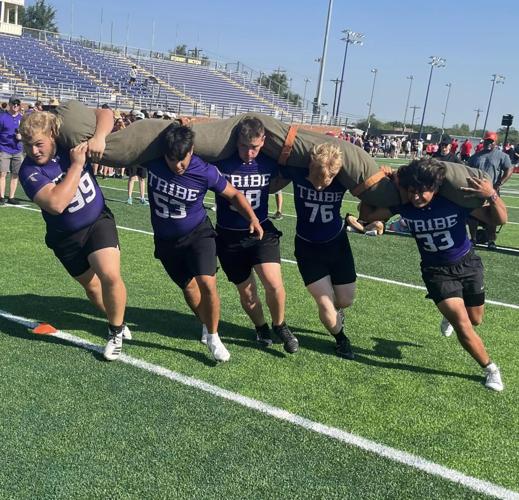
(263, 328)
(339, 337)
(116, 329)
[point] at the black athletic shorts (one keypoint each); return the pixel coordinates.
(463, 279)
(188, 256)
(239, 251)
(137, 170)
(333, 258)
(73, 249)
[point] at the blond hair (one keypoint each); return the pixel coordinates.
(327, 158)
(41, 122)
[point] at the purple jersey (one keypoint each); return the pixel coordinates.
(253, 180)
(85, 207)
(9, 125)
(177, 201)
(318, 212)
(439, 230)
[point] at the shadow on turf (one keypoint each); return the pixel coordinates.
(383, 348)
(71, 313)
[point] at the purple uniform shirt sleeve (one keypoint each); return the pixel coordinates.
(215, 180)
(32, 180)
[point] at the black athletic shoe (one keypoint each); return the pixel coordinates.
(2, 201)
(263, 337)
(290, 342)
(491, 245)
(343, 349)
(13, 201)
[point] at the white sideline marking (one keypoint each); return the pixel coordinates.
(393, 454)
(365, 276)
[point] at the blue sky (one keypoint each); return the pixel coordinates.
(478, 39)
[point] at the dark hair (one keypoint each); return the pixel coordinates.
(250, 128)
(178, 141)
(422, 175)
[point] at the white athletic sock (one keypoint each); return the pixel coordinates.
(213, 337)
(492, 367)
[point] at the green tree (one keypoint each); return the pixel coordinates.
(375, 125)
(180, 50)
(396, 125)
(513, 135)
(40, 16)
(277, 82)
(459, 129)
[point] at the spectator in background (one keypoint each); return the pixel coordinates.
(3, 107)
(513, 152)
(497, 165)
(137, 173)
(454, 146)
(38, 106)
(465, 150)
(419, 148)
(53, 104)
(133, 76)
(407, 148)
(444, 152)
(278, 215)
(11, 155)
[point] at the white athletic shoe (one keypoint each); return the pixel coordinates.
(446, 328)
(114, 347)
(127, 334)
(217, 349)
(205, 334)
(493, 378)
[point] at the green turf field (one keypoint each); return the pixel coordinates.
(74, 426)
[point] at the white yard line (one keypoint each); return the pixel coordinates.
(392, 454)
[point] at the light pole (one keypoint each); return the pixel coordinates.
(495, 79)
(435, 62)
(414, 108)
(335, 82)
(445, 110)
(356, 39)
(410, 78)
(307, 81)
(478, 113)
(374, 71)
(317, 100)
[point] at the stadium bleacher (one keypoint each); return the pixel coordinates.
(66, 69)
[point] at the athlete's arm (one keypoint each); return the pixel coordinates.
(55, 198)
(493, 213)
(240, 203)
(508, 173)
(369, 213)
(104, 125)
